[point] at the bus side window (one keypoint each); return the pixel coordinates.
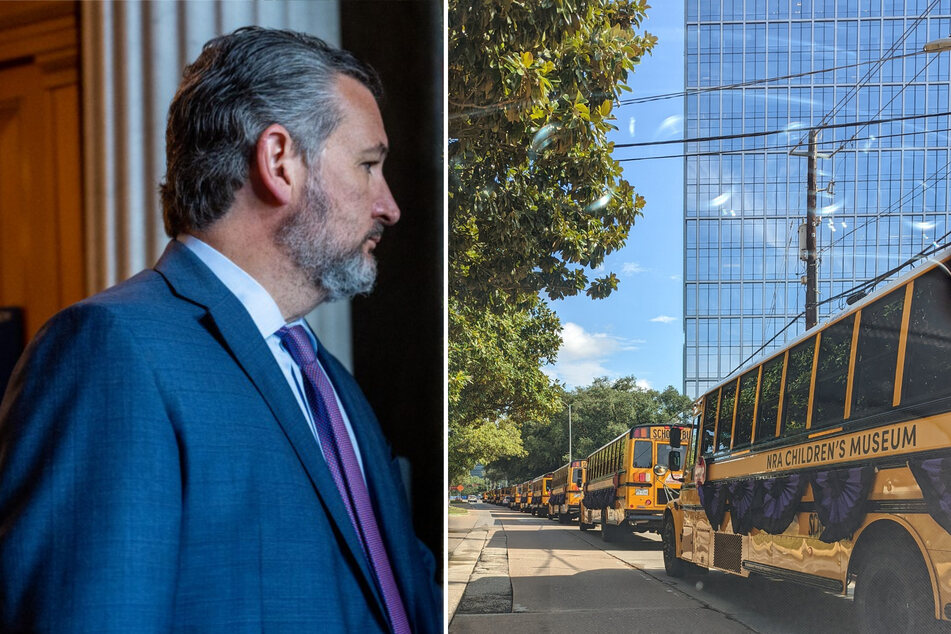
(876, 355)
(928, 351)
(642, 454)
(796, 396)
(768, 410)
(691, 442)
(744, 410)
(832, 372)
(725, 418)
(709, 422)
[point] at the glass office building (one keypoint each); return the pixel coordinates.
(885, 184)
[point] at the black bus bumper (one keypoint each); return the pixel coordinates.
(641, 521)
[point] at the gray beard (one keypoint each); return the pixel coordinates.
(305, 236)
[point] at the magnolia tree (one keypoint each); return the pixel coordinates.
(536, 200)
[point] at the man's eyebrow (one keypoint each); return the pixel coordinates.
(379, 150)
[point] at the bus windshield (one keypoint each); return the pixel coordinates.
(663, 451)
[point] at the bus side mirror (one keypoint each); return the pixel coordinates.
(675, 437)
(673, 461)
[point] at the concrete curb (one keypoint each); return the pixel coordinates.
(462, 561)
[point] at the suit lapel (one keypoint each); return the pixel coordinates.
(191, 279)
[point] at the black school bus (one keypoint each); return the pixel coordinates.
(829, 463)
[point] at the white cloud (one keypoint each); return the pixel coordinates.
(676, 278)
(664, 319)
(644, 384)
(583, 355)
(583, 373)
(578, 345)
(630, 268)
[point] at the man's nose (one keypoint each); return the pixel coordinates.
(385, 208)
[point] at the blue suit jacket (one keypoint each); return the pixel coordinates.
(156, 474)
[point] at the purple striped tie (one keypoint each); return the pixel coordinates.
(342, 462)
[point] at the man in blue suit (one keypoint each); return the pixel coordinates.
(179, 452)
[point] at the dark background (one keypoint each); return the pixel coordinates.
(398, 343)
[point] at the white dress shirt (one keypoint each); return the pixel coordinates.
(267, 317)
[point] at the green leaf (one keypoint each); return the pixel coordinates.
(531, 86)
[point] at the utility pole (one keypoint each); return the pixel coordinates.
(807, 231)
(569, 433)
(811, 317)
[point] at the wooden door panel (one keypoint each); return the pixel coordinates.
(42, 267)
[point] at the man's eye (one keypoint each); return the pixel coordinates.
(368, 166)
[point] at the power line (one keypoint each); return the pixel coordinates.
(853, 138)
(894, 97)
(753, 82)
(854, 89)
(748, 135)
(769, 341)
(768, 148)
(887, 209)
(930, 250)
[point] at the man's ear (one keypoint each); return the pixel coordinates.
(273, 170)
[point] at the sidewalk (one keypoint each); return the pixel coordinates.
(467, 537)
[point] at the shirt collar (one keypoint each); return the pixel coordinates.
(256, 300)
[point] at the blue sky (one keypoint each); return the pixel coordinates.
(638, 330)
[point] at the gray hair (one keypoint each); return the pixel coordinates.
(239, 85)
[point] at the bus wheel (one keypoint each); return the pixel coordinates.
(673, 566)
(893, 593)
(564, 518)
(582, 525)
(607, 530)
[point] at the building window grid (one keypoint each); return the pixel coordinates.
(761, 204)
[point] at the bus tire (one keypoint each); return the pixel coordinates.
(564, 518)
(582, 525)
(673, 565)
(608, 532)
(893, 593)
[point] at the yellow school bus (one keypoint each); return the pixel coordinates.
(522, 495)
(829, 463)
(629, 481)
(566, 484)
(540, 487)
(516, 497)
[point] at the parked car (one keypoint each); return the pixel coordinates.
(472, 499)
